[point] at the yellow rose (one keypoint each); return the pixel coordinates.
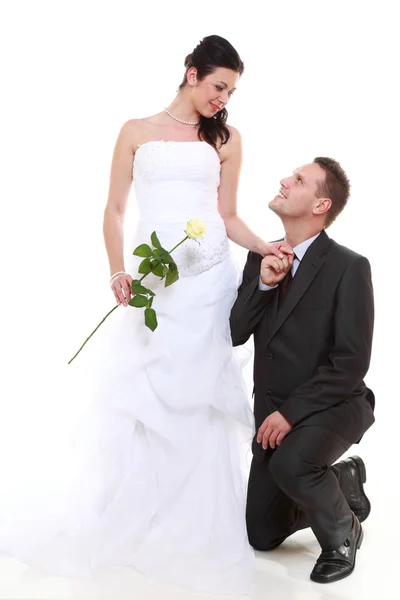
(195, 229)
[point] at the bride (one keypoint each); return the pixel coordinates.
(162, 484)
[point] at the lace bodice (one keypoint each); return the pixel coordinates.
(175, 182)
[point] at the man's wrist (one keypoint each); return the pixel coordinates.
(264, 287)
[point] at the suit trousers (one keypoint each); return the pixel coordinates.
(294, 487)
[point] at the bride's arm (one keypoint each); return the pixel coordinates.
(236, 228)
(114, 213)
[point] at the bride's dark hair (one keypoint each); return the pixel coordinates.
(213, 52)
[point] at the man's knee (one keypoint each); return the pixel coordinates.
(288, 469)
(262, 537)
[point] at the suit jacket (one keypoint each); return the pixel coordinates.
(312, 354)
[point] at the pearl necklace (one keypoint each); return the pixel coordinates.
(180, 120)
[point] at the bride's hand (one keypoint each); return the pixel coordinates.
(121, 286)
(279, 249)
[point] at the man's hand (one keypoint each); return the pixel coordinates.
(274, 269)
(273, 430)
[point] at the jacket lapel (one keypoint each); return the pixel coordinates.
(312, 261)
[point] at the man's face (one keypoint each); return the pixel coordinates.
(297, 195)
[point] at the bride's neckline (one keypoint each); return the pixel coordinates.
(175, 142)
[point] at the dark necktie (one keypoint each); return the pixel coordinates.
(284, 287)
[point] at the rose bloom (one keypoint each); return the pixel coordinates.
(195, 229)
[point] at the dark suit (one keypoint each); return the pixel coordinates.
(311, 356)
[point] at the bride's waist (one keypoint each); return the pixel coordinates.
(169, 214)
(193, 256)
(171, 225)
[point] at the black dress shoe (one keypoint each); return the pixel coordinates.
(351, 474)
(333, 565)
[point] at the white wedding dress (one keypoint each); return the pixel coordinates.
(161, 452)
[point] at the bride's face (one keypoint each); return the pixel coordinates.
(212, 94)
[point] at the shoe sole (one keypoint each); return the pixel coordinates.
(340, 576)
(362, 474)
(360, 466)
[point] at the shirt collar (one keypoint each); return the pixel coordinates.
(302, 248)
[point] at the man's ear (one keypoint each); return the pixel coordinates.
(322, 206)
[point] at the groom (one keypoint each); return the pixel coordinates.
(311, 314)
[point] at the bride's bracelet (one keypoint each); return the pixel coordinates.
(116, 275)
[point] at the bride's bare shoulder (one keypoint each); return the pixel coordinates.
(141, 130)
(133, 127)
(233, 146)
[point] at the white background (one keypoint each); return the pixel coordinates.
(320, 79)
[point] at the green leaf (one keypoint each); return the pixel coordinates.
(156, 253)
(145, 266)
(150, 318)
(171, 277)
(166, 257)
(138, 301)
(138, 288)
(155, 241)
(150, 302)
(143, 250)
(158, 270)
(173, 266)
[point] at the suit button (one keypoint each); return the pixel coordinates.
(270, 356)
